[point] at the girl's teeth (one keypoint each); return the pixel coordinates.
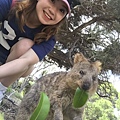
(48, 16)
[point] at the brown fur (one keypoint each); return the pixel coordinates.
(60, 88)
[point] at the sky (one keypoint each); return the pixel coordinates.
(116, 82)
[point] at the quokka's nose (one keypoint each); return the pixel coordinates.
(86, 86)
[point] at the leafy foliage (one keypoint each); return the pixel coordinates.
(101, 108)
(118, 102)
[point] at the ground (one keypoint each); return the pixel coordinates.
(9, 107)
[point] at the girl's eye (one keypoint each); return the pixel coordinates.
(53, 1)
(62, 11)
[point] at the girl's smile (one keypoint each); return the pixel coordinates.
(51, 12)
(47, 16)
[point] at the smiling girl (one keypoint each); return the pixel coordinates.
(27, 35)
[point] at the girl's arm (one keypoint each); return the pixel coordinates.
(31, 57)
(44, 47)
(20, 65)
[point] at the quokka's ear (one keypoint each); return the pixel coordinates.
(79, 57)
(98, 64)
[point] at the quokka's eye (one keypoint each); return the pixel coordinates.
(94, 78)
(82, 72)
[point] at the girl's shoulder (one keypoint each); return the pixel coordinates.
(6, 3)
(5, 6)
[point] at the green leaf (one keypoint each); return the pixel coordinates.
(42, 110)
(80, 98)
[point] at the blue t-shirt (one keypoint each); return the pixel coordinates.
(11, 34)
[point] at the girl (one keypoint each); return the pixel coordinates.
(27, 35)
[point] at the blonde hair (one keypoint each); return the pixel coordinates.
(22, 11)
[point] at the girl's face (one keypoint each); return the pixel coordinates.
(51, 12)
